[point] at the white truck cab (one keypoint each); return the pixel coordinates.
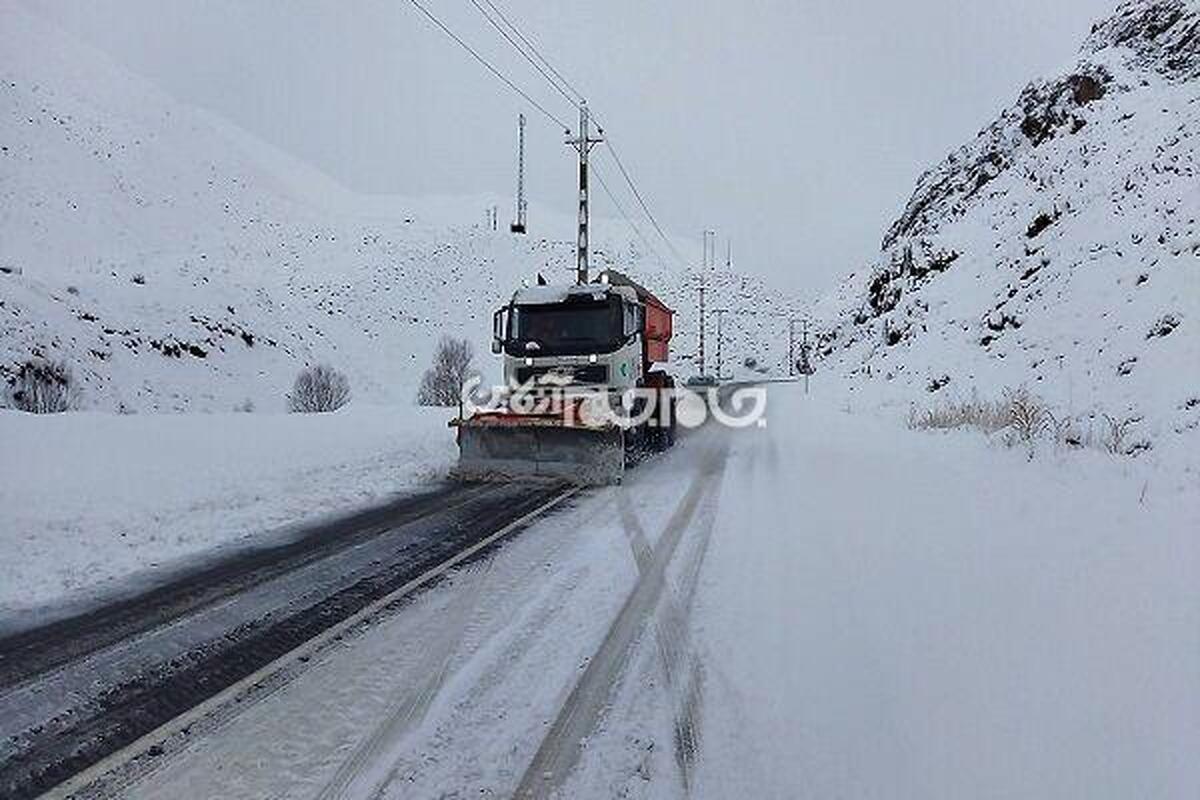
(587, 336)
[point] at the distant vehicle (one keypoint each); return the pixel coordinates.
(702, 381)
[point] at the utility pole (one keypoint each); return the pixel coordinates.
(705, 263)
(791, 348)
(720, 312)
(519, 225)
(807, 367)
(583, 145)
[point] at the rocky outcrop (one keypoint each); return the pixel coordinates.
(1058, 248)
(1162, 36)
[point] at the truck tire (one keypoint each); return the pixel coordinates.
(669, 433)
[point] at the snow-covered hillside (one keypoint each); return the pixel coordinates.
(1059, 249)
(179, 264)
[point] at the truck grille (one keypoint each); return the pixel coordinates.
(583, 373)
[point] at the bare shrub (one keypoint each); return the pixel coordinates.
(1116, 434)
(1028, 416)
(977, 413)
(318, 389)
(442, 383)
(1069, 431)
(1020, 412)
(44, 387)
(1025, 418)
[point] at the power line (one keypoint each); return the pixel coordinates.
(560, 88)
(564, 82)
(490, 68)
(641, 201)
(557, 81)
(624, 215)
(535, 51)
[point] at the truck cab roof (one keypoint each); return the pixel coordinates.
(608, 282)
(552, 295)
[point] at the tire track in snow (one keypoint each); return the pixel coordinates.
(670, 635)
(562, 745)
(409, 708)
(363, 773)
(691, 693)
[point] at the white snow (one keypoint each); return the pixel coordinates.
(180, 265)
(1074, 310)
(253, 265)
(90, 499)
(878, 613)
(907, 615)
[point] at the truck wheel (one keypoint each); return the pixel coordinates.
(668, 433)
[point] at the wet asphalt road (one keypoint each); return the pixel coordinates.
(79, 689)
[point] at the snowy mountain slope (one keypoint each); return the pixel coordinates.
(1060, 248)
(180, 264)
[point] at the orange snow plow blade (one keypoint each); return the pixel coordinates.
(502, 446)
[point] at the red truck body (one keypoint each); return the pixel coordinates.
(656, 322)
(657, 332)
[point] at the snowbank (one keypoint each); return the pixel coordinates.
(88, 499)
(912, 615)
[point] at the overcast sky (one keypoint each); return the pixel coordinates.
(796, 128)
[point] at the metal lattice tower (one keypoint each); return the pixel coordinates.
(583, 145)
(519, 225)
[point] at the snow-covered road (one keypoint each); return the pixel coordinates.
(850, 609)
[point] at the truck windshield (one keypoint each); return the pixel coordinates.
(566, 328)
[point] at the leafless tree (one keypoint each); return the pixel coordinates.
(442, 383)
(319, 388)
(44, 387)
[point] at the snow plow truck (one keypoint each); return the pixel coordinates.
(584, 393)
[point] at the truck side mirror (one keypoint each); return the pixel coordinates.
(499, 323)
